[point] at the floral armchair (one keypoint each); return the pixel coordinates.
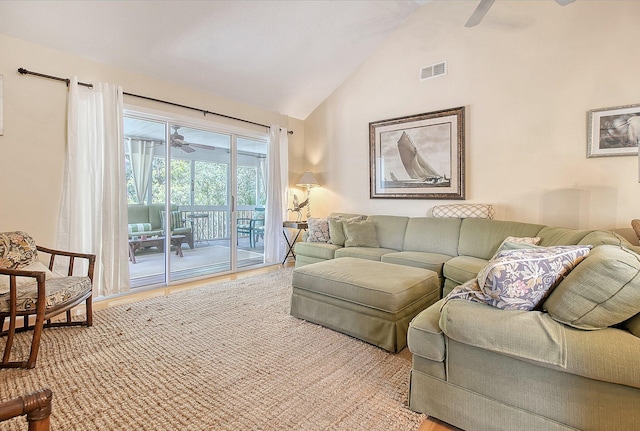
(28, 290)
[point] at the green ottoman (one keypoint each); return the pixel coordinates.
(369, 300)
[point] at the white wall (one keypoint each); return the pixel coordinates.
(32, 150)
(527, 76)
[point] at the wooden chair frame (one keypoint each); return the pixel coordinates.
(42, 313)
(37, 407)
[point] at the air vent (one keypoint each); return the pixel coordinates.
(433, 70)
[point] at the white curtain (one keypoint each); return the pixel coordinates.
(277, 191)
(93, 213)
(141, 157)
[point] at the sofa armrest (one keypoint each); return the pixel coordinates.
(608, 354)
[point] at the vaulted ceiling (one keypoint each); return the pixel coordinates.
(283, 56)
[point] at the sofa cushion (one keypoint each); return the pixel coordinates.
(318, 229)
(139, 213)
(425, 338)
(481, 237)
(417, 259)
(532, 335)
(521, 279)
(369, 253)
(633, 325)
(602, 291)
(318, 250)
(360, 233)
(602, 237)
(432, 235)
(561, 236)
(390, 230)
(463, 268)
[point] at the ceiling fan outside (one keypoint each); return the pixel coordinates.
(177, 141)
(484, 7)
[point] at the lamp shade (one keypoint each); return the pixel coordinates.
(307, 180)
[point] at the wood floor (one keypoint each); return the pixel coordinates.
(430, 424)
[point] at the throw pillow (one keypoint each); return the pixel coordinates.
(336, 229)
(318, 230)
(175, 219)
(601, 292)
(521, 279)
(23, 281)
(360, 233)
(17, 250)
(139, 227)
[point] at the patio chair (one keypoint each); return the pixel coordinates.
(254, 226)
(29, 289)
(36, 406)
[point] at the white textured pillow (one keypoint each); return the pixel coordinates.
(23, 281)
(318, 230)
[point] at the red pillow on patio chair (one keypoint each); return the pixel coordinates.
(28, 289)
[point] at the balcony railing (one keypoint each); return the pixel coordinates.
(211, 223)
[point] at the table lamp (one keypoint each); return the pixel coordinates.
(308, 180)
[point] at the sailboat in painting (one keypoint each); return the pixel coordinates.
(416, 166)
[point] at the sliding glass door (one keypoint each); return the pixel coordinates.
(189, 199)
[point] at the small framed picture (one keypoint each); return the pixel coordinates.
(418, 157)
(614, 131)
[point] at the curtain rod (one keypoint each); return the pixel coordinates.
(24, 71)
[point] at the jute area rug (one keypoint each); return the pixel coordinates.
(227, 356)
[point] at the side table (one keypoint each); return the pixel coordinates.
(300, 226)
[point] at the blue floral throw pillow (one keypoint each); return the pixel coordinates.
(521, 279)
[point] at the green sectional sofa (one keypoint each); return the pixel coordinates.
(147, 220)
(571, 363)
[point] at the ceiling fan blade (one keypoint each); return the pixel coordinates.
(203, 147)
(479, 13)
(564, 2)
(186, 148)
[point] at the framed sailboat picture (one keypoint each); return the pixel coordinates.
(419, 156)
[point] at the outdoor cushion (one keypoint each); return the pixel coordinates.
(58, 291)
(139, 227)
(602, 291)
